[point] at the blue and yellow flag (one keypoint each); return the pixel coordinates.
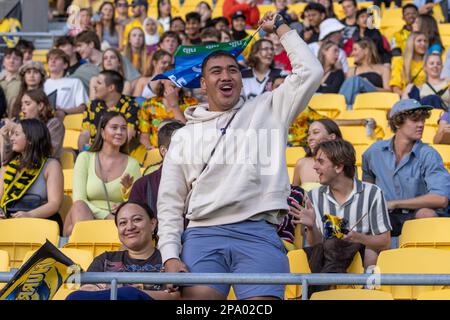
(41, 276)
(189, 59)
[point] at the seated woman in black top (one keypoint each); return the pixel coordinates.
(333, 76)
(368, 75)
(136, 224)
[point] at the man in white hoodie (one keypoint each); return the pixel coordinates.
(225, 171)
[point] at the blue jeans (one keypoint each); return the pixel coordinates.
(353, 86)
(123, 293)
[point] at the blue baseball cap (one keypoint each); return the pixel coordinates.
(406, 105)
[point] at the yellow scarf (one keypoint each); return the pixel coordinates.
(16, 186)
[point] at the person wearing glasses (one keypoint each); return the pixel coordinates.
(258, 78)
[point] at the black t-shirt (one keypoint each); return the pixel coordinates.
(333, 82)
(120, 261)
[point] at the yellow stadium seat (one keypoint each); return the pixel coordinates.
(73, 121)
(96, 236)
(351, 294)
(71, 139)
(40, 55)
(152, 157)
(445, 41)
(298, 263)
(434, 118)
(329, 104)
(293, 154)
(428, 134)
(357, 135)
(359, 172)
(17, 236)
(378, 115)
(297, 8)
(81, 257)
(291, 173)
(4, 261)
(351, 61)
(444, 29)
(264, 8)
(438, 14)
(444, 151)
(392, 17)
(68, 178)
(426, 233)
(413, 261)
(359, 150)
(67, 159)
(65, 207)
(375, 100)
(435, 295)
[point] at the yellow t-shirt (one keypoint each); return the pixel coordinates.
(418, 75)
(399, 39)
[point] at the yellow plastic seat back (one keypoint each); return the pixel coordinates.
(71, 139)
(293, 154)
(357, 135)
(95, 236)
(426, 233)
(18, 236)
(413, 261)
(4, 261)
(73, 121)
(298, 263)
(351, 294)
(328, 104)
(375, 101)
(435, 295)
(378, 115)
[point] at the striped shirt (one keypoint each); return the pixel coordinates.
(365, 197)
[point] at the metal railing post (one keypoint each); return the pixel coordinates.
(304, 289)
(114, 289)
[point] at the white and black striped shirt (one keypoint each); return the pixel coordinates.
(365, 197)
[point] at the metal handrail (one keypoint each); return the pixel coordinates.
(305, 280)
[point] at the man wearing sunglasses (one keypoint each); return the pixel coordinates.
(140, 8)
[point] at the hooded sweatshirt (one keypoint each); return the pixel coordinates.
(245, 178)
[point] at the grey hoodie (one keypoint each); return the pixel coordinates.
(246, 177)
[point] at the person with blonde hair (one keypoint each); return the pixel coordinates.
(135, 50)
(409, 68)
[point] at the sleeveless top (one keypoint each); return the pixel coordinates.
(113, 40)
(373, 77)
(39, 186)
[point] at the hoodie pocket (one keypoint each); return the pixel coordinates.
(223, 186)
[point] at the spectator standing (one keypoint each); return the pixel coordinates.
(410, 173)
(214, 212)
(103, 174)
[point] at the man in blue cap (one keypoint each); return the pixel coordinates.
(411, 174)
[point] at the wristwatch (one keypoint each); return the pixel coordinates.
(279, 20)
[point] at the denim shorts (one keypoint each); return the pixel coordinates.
(244, 247)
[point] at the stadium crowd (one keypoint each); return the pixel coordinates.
(233, 217)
